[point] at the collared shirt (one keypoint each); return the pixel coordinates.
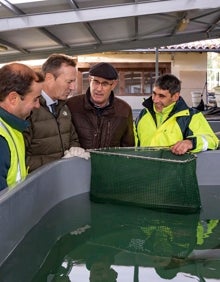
(49, 101)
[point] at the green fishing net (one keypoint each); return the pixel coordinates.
(147, 177)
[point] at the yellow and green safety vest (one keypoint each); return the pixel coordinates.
(17, 171)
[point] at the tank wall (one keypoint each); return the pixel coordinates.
(209, 183)
(22, 207)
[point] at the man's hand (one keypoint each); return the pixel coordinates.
(76, 152)
(181, 147)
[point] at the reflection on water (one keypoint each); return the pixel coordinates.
(83, 241)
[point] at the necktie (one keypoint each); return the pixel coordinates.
(53, 109)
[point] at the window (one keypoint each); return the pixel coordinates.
(135, 79)
(85, 81)
(138, 82)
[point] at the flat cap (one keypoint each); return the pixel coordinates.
(104, 70)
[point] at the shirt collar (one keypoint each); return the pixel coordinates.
(48, 99)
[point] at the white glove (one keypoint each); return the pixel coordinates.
(76, 152)
(67, 154)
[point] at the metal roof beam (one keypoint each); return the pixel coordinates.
(19, 12)
(213, 25)
(103, 13)
(138, 44)
(11, 7)
(13, 46)
(73, 4)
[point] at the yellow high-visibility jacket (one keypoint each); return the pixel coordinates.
(182, 123)
(17, 170)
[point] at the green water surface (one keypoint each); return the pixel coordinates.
(82, 241)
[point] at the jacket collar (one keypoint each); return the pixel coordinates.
(90, 104)
(15, 122)
(180, 105)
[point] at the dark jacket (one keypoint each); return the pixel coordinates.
(48, 136)
(111, 126)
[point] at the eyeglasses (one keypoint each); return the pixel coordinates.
(103, 84)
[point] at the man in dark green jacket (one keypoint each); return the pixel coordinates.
(51, 132)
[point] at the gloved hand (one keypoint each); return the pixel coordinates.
(76, 152)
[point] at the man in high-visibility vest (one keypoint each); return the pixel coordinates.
(166, 120)
(20, 89)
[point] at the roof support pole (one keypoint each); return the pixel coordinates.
(157, 62)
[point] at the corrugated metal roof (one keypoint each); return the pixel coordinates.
(36, 29)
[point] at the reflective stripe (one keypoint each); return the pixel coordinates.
(18, 175)
(205, 143)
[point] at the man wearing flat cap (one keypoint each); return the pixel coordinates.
(101, 119)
